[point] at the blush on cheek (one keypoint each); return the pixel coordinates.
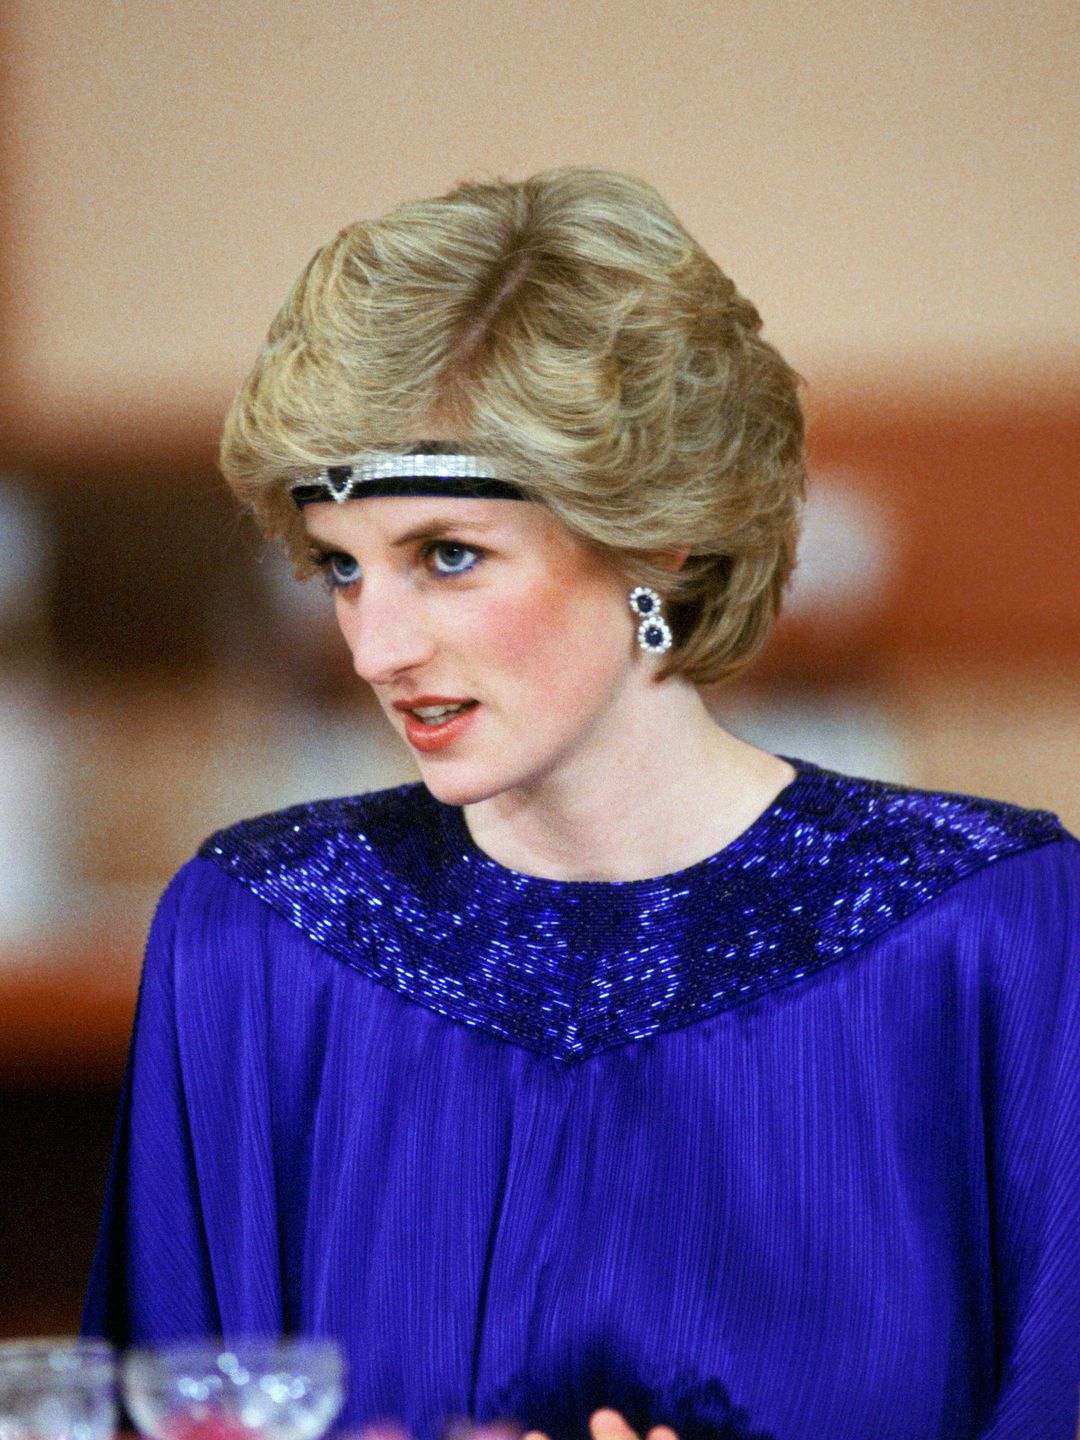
(560, 646)
(517, 632)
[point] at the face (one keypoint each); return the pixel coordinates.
(500, 646)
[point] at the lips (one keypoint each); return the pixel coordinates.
(432, 722)
(435, 714)
(432, 702)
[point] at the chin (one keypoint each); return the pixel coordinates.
(459, 789)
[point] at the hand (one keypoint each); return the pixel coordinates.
(610, 1425)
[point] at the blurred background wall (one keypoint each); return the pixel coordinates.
(894, 186)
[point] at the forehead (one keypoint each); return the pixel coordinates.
(390, 519)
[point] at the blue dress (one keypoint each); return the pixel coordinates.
(782, 1146)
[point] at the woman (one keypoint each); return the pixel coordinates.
(620, 1069)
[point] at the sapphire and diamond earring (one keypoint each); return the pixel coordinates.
(654, 633)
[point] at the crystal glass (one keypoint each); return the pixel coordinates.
(216, 1390)
(61, 1388)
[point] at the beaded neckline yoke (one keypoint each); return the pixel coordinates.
(393, 885)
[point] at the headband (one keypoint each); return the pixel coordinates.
(461, 476)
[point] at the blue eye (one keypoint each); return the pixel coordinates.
(451, 558)
(338, 569)
(344, 570)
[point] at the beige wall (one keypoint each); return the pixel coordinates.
(894, 184)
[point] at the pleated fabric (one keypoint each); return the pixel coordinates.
(841, 1202)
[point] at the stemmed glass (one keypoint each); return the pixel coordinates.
(61, 1388)
(288, 1389)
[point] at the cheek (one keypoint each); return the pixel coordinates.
(513, 633)
(345, 615)
(553, 641)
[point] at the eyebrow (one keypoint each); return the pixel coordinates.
(437, 529)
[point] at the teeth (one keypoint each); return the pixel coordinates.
(434, 713)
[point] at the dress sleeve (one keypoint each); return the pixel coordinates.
(1031, 1083)
(151, 1278)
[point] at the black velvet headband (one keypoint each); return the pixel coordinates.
(422, 473)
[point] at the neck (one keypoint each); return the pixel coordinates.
(642, 799)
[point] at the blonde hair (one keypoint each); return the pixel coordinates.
(570, 328)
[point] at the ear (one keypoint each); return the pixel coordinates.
(670, 559)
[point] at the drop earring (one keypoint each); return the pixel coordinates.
(654, 633)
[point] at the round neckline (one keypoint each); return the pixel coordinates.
(754, 838)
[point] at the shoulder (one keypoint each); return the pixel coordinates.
(944, 833)
(332, 869)
(340, 870)
(948, 822)
(307, 840)
(875, 852)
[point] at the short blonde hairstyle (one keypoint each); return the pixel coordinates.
(568, 327)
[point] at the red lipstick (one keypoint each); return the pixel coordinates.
(428, 738)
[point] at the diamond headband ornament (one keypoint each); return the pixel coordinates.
(462, 476)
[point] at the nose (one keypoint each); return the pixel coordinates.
(386, 630)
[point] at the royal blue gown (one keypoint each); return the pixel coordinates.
(782, 1146)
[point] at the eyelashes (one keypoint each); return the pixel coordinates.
(450, 557)
(444, 558)
(339, 569)
(336, 569)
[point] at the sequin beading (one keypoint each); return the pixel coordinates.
(393, 885)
